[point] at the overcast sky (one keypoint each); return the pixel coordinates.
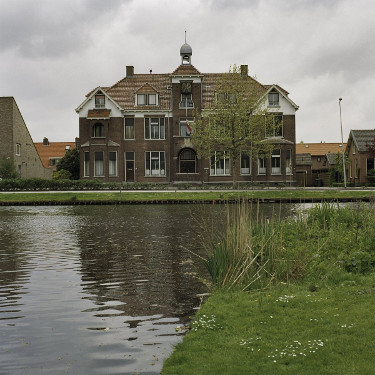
(53, 52)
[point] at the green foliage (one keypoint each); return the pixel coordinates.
(332, 240)
(235, 122)
(70, 162)
(8, 169)
(62, 174)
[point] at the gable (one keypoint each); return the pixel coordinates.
(88, 107)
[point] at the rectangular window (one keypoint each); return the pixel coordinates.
(288, 162)
(273, 98)
(185, 126)
(370, 165)
(112, 163)
(220, 164)
(154, 128)
(129, 128)
(18, 149)
(99, 101)
(98, 164)
(146, 99)
(356, 169)
(276, 162)
(155, 163)
(186, 101)
(262, 168)
(53, 161)
(86, 164)
(274, 125)
(245, 164)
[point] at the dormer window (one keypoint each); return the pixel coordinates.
(146, 99)
(273, 98)
(99, 101)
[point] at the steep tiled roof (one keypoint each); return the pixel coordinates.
(51, 151)
(124, 91)
(362, 138)
(183, 70)
(316, 149)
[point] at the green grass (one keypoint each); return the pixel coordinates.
(289, 297)
(286, 330)
(287, 195)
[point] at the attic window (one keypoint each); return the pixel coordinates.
(67, 147)
(99, 101)
(273, 98)
(146, 99)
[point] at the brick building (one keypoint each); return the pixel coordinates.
(361, 157)
(138, 130)
(52, 152)
(16, 142)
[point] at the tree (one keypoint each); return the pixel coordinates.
(235, 123)
(70, 163)
(336, 170)
(7, 169)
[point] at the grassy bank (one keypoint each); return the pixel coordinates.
(288, 330)
(289, 297)
(181, 195)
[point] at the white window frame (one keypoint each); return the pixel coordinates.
(114, 166)
(151, 122)
(151, 99)
(274, 124)
(186, 101)
(156, 158)
(262, 166)
(97, 166)
(18, 149)
(273, 102)
(220, 157)
(276, 162)
(245, 171)
(183, 131)
(129, 118)
(86, 164)
(99, 101)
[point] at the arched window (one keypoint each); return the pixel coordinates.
(98, 130)
(187, 161)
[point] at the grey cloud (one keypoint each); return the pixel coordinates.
(51, 28)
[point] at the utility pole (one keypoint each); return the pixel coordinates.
(343, 150)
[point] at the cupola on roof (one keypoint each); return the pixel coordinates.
(185, 53)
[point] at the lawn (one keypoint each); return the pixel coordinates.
(286, 330)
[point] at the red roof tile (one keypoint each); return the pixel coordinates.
(54, 150)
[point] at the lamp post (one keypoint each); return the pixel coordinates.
(342, 142)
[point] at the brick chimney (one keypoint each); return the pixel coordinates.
(244, 70)
(129, 71)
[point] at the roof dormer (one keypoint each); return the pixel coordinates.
(146, 96)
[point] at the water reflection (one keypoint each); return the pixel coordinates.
(98, 289)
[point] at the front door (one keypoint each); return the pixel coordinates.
(129, 166)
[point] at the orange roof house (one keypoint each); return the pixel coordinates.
(51, 152)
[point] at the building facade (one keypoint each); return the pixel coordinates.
(16, 143)
(138, 130)
(52, 152)
(315, 161)
(360, 151)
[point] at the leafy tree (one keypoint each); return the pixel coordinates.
(336, 171)
(70, 162)
(236, 121)
(8, 169)
(62, 174)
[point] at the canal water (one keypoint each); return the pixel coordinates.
(99, 289)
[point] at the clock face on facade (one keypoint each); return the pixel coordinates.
(186, 87)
